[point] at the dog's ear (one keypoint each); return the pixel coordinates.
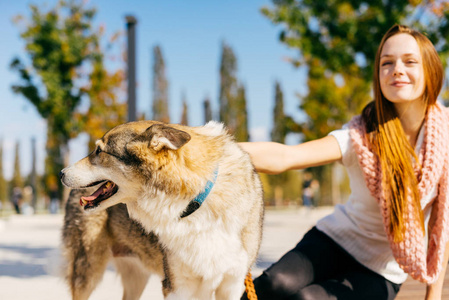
(160, 136)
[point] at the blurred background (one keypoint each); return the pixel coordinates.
(282, 70)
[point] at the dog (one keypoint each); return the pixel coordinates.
(193, 192)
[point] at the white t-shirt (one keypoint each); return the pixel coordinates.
(357, 225)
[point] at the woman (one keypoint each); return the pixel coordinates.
(396, 154)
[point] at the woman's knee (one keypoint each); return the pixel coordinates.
(277, 284)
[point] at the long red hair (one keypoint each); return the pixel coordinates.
(387, 137)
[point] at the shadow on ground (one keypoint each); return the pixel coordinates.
(22, 269)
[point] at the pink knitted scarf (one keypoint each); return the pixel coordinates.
(423, 264)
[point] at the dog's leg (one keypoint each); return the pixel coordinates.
(186, 290)
(85, 247)
(84, 274)
(134, 276)
(231, 287)
(207, 288)
(195, 288)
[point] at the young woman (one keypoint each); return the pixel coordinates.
(395, 223)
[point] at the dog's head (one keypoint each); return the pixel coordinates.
(125, 161)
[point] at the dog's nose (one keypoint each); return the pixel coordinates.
(61, 174)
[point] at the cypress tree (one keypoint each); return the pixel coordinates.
(160, 88)
(185, 111)
(232, 98)
(279, 131)
(207, 110)
(241, 132)
(33, 174)
(17, 180)
(228, 86)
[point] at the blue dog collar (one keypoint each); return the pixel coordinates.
(196, 203)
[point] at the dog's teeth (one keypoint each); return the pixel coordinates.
(84, 202)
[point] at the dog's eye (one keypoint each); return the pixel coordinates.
(98, 151)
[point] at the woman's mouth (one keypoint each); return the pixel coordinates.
(399, 83)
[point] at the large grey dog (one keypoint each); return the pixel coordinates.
(197, 205)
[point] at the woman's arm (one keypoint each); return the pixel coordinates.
(274, 158)
(434, 290)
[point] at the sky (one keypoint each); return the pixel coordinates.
(190, 34)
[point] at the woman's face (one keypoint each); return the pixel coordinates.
(401, 72)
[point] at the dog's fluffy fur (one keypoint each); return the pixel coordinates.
(156, 169)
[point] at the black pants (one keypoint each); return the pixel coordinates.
(319, 269)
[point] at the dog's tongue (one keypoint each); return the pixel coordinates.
(94, 195)
(104, 188)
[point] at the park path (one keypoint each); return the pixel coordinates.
(29, 257)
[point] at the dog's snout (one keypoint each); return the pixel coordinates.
(61, 174)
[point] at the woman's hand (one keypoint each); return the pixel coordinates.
(434, 290)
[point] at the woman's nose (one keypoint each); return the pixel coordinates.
(398, 69)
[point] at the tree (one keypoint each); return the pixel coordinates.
(185, 111)
(106, 93)
(33, 174)
(232, 99)
(207, 110)
(278, 134)
(17, 180)
(281, 184)
(3, 186)
(279, 130)
(336, 42)
(241, 132)
(160, 88)
(58, 43)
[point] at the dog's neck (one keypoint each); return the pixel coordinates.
(196, 203)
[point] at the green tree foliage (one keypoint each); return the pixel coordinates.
(278, 133)
(17, 180)
(106, 93)
(285, 184)
(3, 186)
(185, 111)
(207, 110)
(32, 178)
(58, 43)
(241, 132)
(232, 99)
(279, 130)
(336, 42)
(160, 88)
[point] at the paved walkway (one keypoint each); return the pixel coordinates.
(29, 257)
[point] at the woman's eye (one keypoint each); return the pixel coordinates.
(386, 63)
(98, 151)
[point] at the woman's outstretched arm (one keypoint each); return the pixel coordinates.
(275, 158)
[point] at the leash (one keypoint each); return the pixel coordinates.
(249, 287)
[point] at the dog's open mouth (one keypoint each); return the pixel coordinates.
(106, 191)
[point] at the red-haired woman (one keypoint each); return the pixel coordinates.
(395, 222)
